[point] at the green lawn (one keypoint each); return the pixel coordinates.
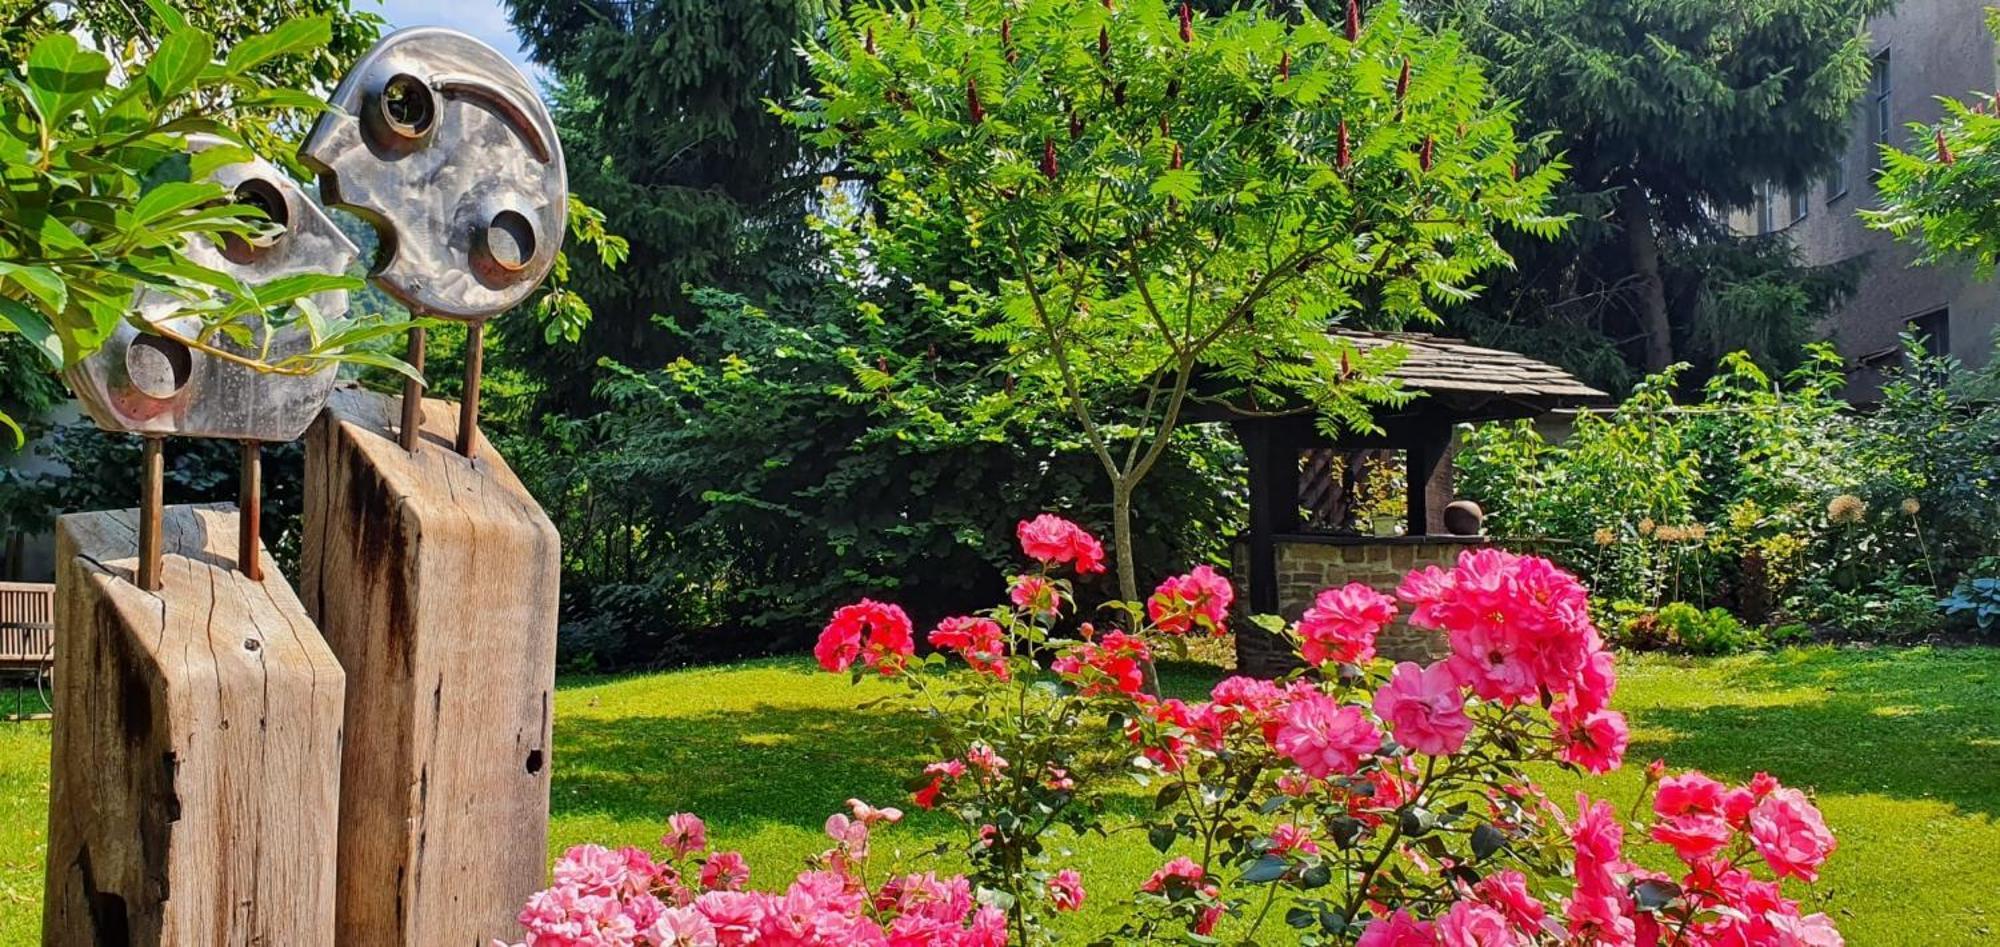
(1903, 748)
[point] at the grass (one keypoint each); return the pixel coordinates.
(1901, 746)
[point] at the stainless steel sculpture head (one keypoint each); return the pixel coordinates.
(439, 141)
(148, 384)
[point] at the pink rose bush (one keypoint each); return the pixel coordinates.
(1354, 801)
(683, 895)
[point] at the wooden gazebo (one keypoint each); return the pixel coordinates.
(1283, 564)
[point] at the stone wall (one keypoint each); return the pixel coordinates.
(1307, 566)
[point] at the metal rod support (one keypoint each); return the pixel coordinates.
(468, 400)
(152, 478)
(413, 395)
(250, 513)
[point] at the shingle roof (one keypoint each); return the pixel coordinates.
(1456, 368)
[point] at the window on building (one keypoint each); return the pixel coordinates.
(1836, 180)
(1765, 208)
(1880, 120)
(1933, 329)
(1799, 200)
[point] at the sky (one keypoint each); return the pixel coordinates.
(484, 19)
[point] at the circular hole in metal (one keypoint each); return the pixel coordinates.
(408, 105)
(510, 240)
(265, 196)
(158, 367)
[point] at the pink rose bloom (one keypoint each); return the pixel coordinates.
(1788, 831)
(1693, 837)
(1599, 918)
(680, 927)
(851, 834)
(1066, 890)
(1400, 929)
(1325, 737)
(1597, 682)
(725, 871)
(1036, 596)
(927, 796)
(1052, 540)
(686, 834)
(1471, 924)
(878, 634)
(869, 815)
(1595, 741)
(1342, 624)
(1813, 930)
(564, 915)
(989, 924)
(591, 869)
(1425, 709)
(1204, 923)
(1507, 892)
(1182, 871)
(735, 916)
(1287, 838)
(1597, 834)
(1690, 793)
(983, 758)
(1198, 599)
(979, 640)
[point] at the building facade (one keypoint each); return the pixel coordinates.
(1926, 49)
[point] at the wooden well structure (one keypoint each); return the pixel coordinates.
(1288, 554)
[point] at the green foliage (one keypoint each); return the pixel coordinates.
(92, 470)
(101, 198)
(1684, 628)
(1174, 200)
(1770, 496)
(1944, 193)
(661, 105)
(1693, 104)
(1976, 600)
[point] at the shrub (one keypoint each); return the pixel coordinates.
(1386, 804)
(1976, 600)
(1771, 496)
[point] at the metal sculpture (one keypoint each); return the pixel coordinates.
(441, 144)
(156, 384)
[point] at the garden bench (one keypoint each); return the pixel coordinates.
(27, 635)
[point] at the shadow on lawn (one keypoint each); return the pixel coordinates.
(765, 764)
(1912, 724)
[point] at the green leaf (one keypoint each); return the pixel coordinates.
(382, 360)
(171, 198)
(46, 284)
(292, 36)
(167, 14)
(1269, 868)
(177, 63)
(1486, 840)
(62, 75)
(210, 160)
(284, 289)
(15, 316)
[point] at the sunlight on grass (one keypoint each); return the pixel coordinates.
(1901, 748)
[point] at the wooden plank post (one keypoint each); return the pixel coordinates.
(196, 758)
(434, 576)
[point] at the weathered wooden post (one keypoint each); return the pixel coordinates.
(430, 568)
(197, 745)
(195, 768)
(434, 577)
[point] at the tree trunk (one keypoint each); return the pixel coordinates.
(1121, 540)
(1643, 248)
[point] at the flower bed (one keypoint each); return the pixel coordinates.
(1388, 804)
